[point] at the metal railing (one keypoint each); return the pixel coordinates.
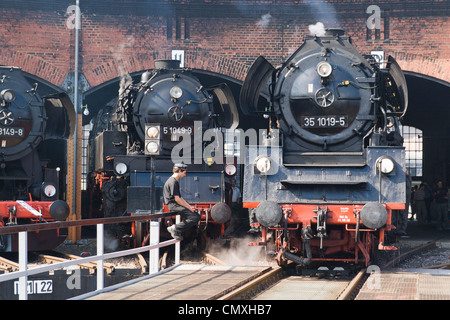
(152, 248)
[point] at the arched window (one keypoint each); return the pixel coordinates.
(413, 143)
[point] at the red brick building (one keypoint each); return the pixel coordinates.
(221, 38)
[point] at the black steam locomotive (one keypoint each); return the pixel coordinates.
(333, 167)
(162, 120)
(33, 133)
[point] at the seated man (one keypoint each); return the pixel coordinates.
(175, 203)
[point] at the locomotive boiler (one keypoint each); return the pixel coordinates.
(33, 133)
(333, 166)
(155, 123)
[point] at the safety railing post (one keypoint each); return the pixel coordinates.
(100, 252)
(177, 245)
(23, 264)
(154, 253)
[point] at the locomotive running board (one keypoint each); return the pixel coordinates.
(319, 182)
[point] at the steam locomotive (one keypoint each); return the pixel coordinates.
(332, 168)
(162, 120)
(33, 133)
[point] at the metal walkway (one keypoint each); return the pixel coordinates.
(301, 288)
(410, 284)
(186, 282)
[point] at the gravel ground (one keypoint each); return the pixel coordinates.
(88, 247)
(429, 258)
(436, 256)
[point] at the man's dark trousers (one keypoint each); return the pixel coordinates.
(191, 218)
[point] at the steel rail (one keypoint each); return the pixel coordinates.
(350, 292)
(258, 284)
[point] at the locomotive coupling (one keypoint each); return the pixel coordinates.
(302, 261)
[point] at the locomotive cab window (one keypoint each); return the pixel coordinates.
(413, 143)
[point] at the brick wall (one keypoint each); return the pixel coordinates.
(219, 36)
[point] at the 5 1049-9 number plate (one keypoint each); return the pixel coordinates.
(324, 122)
(12, 132)
(177, 130)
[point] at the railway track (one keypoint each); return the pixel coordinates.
(282, 284)
(9, 263)
(408, 254)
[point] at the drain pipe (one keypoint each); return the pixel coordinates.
(75, 102)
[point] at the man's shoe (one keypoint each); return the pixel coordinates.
(174, 233)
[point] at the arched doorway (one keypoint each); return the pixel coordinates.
(429, 111)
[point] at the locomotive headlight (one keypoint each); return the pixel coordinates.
(152, 132)
(324, 69)
(386, 165)
(152, 139)
(8, 95)
(121, 168)
(263, 164)
(152, 147)
(176, 92)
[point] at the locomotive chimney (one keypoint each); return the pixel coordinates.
(167, 64)
(334, 32)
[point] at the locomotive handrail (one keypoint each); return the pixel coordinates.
(152, 248)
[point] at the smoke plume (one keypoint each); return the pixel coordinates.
(239, 253)
(317, 29)
(119, 56)
(265, 20)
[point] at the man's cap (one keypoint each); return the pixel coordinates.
(180, 166)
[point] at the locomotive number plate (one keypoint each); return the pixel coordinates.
(324, 122)
(177, 130)
(12, 132)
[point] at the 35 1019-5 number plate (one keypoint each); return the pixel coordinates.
(324, 121)
(12, 132)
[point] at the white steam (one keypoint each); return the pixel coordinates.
(265, 20)
(240, 253)
(111, 242)
(120, 57)
(317, 29)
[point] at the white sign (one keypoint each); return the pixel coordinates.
(36, 287)
(178, 55)
(29, 208)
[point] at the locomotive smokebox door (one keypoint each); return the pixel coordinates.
(107, 144)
